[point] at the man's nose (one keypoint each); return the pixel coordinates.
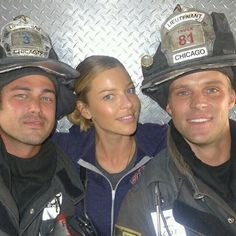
(199, 100)
(35, 105)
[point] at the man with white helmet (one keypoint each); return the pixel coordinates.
(37, 181)
(189, 188)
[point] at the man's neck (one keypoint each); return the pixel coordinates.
(21, 150)
(213, 154)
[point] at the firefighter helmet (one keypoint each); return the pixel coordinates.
(26, 49)
(191, 40)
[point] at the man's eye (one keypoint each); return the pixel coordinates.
(131, 90)
(212, 90)
(21, 96)
(47, 99)
(183, 93)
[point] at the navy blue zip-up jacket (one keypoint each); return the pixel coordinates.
(101, 201)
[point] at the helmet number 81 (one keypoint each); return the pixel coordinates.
(183, 39)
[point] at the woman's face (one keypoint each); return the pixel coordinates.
(113, 104)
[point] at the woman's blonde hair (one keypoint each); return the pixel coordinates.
(90, 68)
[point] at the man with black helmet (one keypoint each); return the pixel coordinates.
(37, 181)
(189, 188)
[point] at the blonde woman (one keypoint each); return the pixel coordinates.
(106, 139)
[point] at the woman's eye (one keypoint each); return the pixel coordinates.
(131, 90)
(108, 97)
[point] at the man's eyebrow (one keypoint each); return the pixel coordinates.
(214, 82)
(20, 88)
(49, 91)
(45, 90)
(210, 82)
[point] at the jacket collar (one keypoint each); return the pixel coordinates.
(187, 163)
(145, 146)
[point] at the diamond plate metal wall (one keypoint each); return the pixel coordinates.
(126, 29)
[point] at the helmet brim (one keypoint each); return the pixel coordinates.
(156, 85)
(62, 75)
(50, 66)
(171, 73)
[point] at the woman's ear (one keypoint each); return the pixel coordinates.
(83, 109)
(168, 110)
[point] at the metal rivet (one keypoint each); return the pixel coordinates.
(198, 196)
(231, 220)
(147, 61)
(31, 211)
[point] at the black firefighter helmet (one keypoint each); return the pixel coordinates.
(191, 40)
(26, 49)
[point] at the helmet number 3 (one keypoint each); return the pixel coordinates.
(26, 38)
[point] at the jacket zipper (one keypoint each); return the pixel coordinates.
(91, 167)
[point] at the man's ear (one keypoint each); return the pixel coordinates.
(168, 110)
(233, 99)
(83, 109)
